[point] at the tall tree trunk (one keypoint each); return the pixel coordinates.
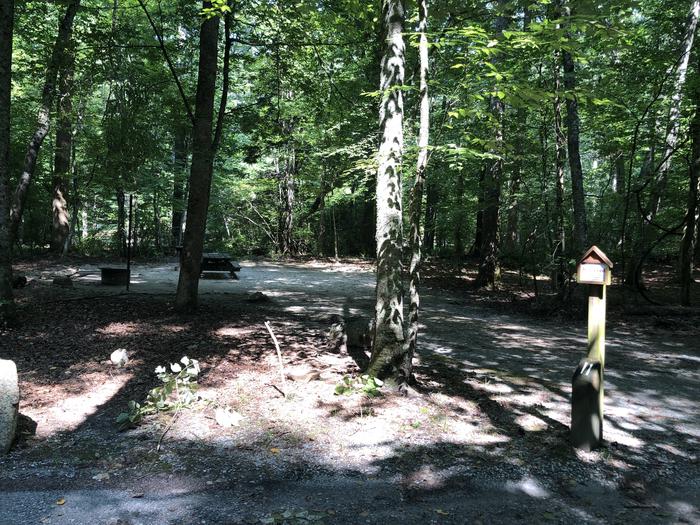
(559, 253)
(674, 112)
(658, 186)
(693, 210)
(6, 29)
(388, 348)
(479, 219)
(58, 54)
(63, 150)
(459, 218)
(511, 237)
(178, 204)
(573, 130)
(431, 201)
(202, 166)
(121, 221)
(286, 204)
(619, 176)
(493, 178)
(417, 194)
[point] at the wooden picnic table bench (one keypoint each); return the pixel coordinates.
(114, 275)
(216, 262)
(219, 262)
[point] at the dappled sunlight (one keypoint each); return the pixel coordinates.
(120, 329)
(65, 406)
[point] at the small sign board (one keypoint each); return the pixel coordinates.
(592, 273)
(594, 268)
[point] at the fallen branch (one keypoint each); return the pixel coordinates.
(170, 425)
(279, 354)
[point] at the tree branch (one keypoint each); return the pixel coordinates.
(170, 63)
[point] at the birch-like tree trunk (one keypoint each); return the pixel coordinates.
(58, 54)
(674, 112)
(417, 193)
(388, 348)
(202, 165)
(62, 153)
(645, 231)
(6, 29)
(573, 131)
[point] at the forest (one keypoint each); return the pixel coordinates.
(410, 184)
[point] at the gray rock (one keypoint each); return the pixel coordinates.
(258, 297)
(9, 403)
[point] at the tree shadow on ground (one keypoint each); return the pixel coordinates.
(521, 475)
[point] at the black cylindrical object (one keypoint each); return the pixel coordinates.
(586, 406)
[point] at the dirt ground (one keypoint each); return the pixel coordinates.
(482, 439)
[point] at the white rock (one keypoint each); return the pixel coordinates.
(227, 417)
(119, 357)
(9, 404)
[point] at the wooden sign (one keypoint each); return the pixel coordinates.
(588, 395)
(594, 268)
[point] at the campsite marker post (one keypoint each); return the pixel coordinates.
(587, 393)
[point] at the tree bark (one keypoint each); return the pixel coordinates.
(285, 233)
(6, 29)
(388, 347)
(459, 219)
(674, 112)
(492, 181)
(512, 236)
(65, 31)
(417, 194)
(693, 210)
(202, 166)
(658, 186)
(559, 252)
(178, 204)
(62, 154)
(573, 130)
(431, 202)
(121, 221)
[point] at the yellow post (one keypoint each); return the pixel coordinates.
(587, 392)
(596, 333)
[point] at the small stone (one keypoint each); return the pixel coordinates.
(226, 417)
(258, 297)
(119, 357)
(9, 404)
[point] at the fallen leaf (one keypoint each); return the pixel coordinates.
(60, 501)
(275, 450)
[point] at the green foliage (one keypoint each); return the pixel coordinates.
(178, 390)
(365, 385)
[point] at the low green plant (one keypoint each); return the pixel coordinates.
(365, 384)
(178, 390)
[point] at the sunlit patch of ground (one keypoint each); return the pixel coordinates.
(489, 414)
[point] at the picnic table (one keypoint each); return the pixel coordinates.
(219, 262)
(216, 262)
